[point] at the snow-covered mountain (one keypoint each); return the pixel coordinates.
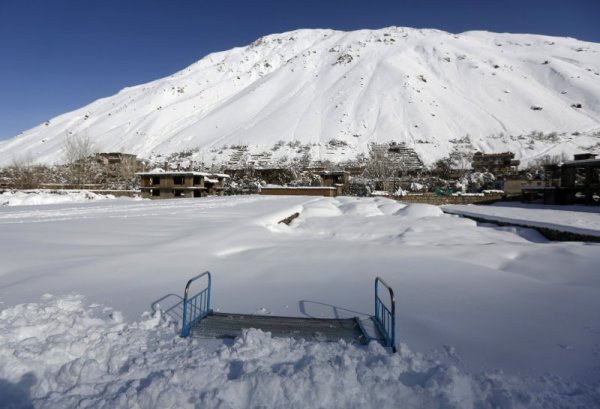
(431, 89)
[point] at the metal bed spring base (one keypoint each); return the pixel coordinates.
(199, 320)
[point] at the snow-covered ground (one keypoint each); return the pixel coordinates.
(584, 220)
(487, 317)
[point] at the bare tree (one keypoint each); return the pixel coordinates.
(379, 166)
(549, 160)
(443, 168)
(381, 170)
(23, 173)
(78, 150)
(78, 147)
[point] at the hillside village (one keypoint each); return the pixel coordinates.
(391, 169)
(424, 115)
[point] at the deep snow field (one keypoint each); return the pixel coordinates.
(488, 317)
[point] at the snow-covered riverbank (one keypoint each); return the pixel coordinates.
(581, 220)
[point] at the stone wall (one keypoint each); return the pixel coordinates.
(299, 191)
(430, 198)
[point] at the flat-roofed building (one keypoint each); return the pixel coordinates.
(161, 184)
(337, 179)
(499, 164)
(573, 182)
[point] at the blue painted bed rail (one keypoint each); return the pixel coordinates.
(196, 307)
(385, 318)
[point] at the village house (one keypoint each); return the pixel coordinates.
(514, 186)
(333, 183)
(402, 158)
(340, 180)
(500, 164)
(118, 169)
(576, 181)
(118, 158)
(161, 184)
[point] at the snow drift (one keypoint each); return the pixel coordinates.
(41, 197)
(61, 352)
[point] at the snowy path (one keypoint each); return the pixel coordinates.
(584, 220)
(479, 298)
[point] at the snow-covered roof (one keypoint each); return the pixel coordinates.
(176, 173)
(333, 172)
(582, 162)
(297, 187)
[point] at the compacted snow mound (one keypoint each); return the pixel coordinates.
(38, 197)
(419, 211)
(60, 352)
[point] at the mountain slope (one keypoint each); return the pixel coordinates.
(426, 88)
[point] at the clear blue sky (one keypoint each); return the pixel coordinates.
(58, 55)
